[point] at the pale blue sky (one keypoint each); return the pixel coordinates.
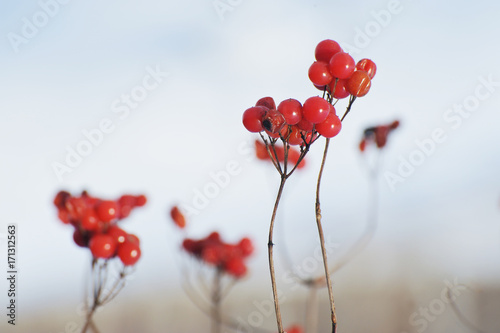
(65, 79)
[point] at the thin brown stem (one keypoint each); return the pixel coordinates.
(88, 320)
(322, 240)
(216, 300)
(270, 245)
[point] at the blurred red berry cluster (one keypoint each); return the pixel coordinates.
(293, 154)
(230, 258)
(377, 135)
(95, 221)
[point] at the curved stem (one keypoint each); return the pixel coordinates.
(271, 259)
(322, 240)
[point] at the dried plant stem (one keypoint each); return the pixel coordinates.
(216, 300)
(270, 245)
(322, 240)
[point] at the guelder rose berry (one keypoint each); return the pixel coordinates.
(291, 109)
(252, 118)
(315, 109)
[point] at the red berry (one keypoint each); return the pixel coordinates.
(326, 49)
(89, 221)
(319, 73)
(211, 254)
(362, 145)
(315, 109)
(129, 253)
(133, 238)
(291, 109)
(252, 118)
(337, 88)
(102, 246)
(342, 65)
(394, 124)
(140, 200)
(107, 210)
(292, 134)
(117, 233)
(235, 267)
(268, 102)
(358, 84)
(214, 237)
(273, 121)
(246, 247)
(178, 217)
(63, 215)
(80, 239)
(61, 198)
(189, 245)
(305, 125)
(330, 127)
(368, 66)
(294, 329)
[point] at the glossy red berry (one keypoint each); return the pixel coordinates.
(107, 210)
(102, 246)
(342, 65)
(359, 84)
(89, 221)
(368, 66)
(315, 109)
(117, 233)
(273, 121)
(337, 88)
(267, 102)
(326, 49)
(330, 127)
(129, 253)
(319, 73)
(291, 109)
(252, 118)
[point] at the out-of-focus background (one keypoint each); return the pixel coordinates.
(170, 79)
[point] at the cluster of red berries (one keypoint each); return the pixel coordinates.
(336, 71)
(294, 122)
(377, 135)
(229, 258)
(95, 221)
